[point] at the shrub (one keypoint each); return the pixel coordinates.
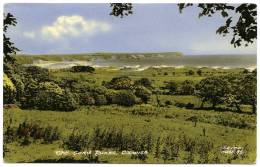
(179, 104)
(9, 90)
(67, 102)
(37, 73)
(245, 71)
(186, 88)
(189, 106)
(76, 141)
(111, 96)
(125, 98)
(87, 100)
(33, 130)
(144, 82)
(82, 69)
(144, 111)
(168, 103)
(190, 72)
(171, 148)
(17, 80)
(30, 92)
(204, 146)
(143, 93)
(187, 143)
(171, 86)
(48, 96)
(199, 72)
(100, 100)
(119, 83)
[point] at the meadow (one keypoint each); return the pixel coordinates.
(172, 128)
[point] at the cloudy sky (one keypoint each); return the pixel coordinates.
(81, 28)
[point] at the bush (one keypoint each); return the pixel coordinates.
(67, 102)
(171, 86)
(125, 98)
(87, 100)
(199, 72)
(111, 96)
(143, 93)
(48, 96)
(9, 90)
(82, 69)
(35, 131)
(168, 103)
(144, 82)
(120, 83)
(30, 92)
(37, 73)
(76, 141)
(189, 106)
(186, 88)
(100, 100)
(179, 104)
(190, 72)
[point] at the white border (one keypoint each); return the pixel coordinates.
(2, 2)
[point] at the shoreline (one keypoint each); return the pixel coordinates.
(68, 64)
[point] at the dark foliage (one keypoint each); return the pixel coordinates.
(82, 69)
(244, 29)
(121, 9)
(9, 48)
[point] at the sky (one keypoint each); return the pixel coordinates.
(84, 28)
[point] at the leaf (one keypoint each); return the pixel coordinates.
(224, 13)
(221, 29)
(229, 20)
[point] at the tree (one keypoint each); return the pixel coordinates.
(121, 9)
(249, 91)
(9, 48)
(11, 68)
(212, 89)
(186, 88)
(233, 96)
(244, 29)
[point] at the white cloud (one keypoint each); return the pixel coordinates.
(73, 26)
(30, 35)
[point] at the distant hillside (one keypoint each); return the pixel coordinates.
(29, 59)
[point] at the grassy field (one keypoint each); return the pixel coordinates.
(219, 128)
(160, 121)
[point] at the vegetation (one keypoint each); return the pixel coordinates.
(110, 116)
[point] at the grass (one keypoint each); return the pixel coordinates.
(87, 118)
(222, 128)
